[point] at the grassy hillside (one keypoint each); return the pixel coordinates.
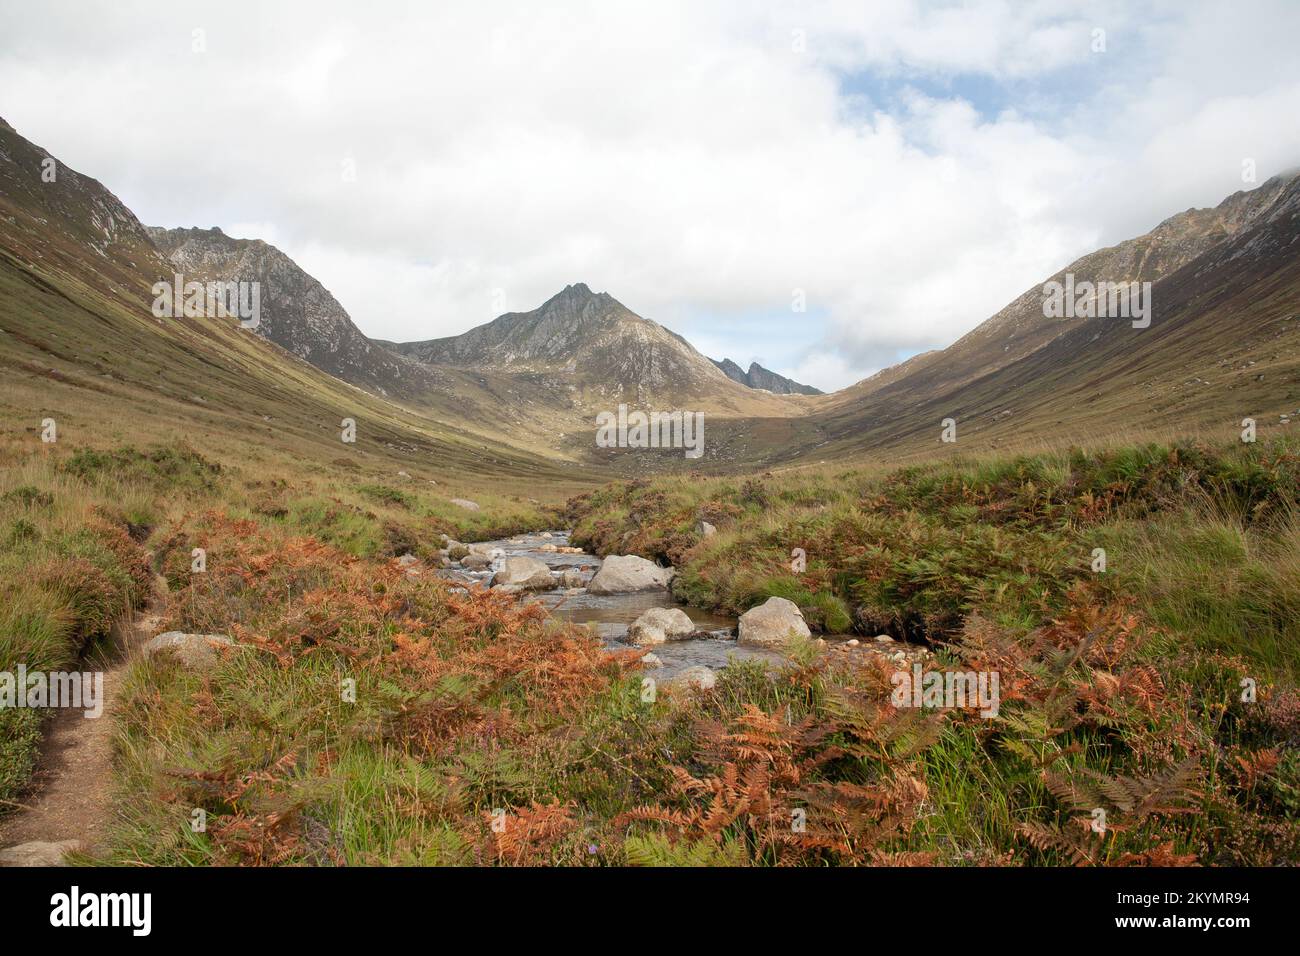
(481, 732)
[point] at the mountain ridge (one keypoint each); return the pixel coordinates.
(765, 379)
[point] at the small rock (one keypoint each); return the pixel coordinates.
(37, 853)
(652, 660)
(407, 560)
(883, 639)
(465, 503)
(197, 651)
(852, 642)
(476, 562)
(698, 677)
(706, 530)
(546, 534)
(572, 579)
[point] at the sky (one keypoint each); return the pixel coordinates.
(823, 187)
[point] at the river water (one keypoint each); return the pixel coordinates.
(608, 615)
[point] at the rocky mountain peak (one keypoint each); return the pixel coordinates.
(765, 379)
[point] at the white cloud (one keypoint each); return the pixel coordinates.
(685, 157)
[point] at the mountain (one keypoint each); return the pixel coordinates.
(79, 343)
(600, 350)
(297, 312)
(765, 379)
(1223, 344)
(1020, 329)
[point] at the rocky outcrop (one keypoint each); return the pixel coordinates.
(660, 624)
(620, 574)
(772, 624)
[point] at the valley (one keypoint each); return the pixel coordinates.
(396, 648)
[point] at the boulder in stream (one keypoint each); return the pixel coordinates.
(525, 573)
(660, 624)
(621, 574)
(772, 624)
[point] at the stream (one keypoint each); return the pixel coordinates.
(609, 615)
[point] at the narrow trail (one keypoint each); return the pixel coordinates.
(70, 801)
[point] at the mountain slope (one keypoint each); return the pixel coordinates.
(1224, 344)
(765, 379)
(1019, 329)
(602, 352)
(79, 343)
(297, 312)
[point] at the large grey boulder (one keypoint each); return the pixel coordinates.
(660, 624)
(620, 574)
(196, 651)
(527, 574)
(772, 624)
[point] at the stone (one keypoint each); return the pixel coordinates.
(526, 573)
(465, 503)
(197, 651)
(476, 562)
(37, 853)
(698, 677)
(652, 660)
(706, 530)
(407, 560)
(660, 624)
(572, 578)
(772, 624)
(620, 574)
(883, 639)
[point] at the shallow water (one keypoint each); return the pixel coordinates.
(609, 615)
